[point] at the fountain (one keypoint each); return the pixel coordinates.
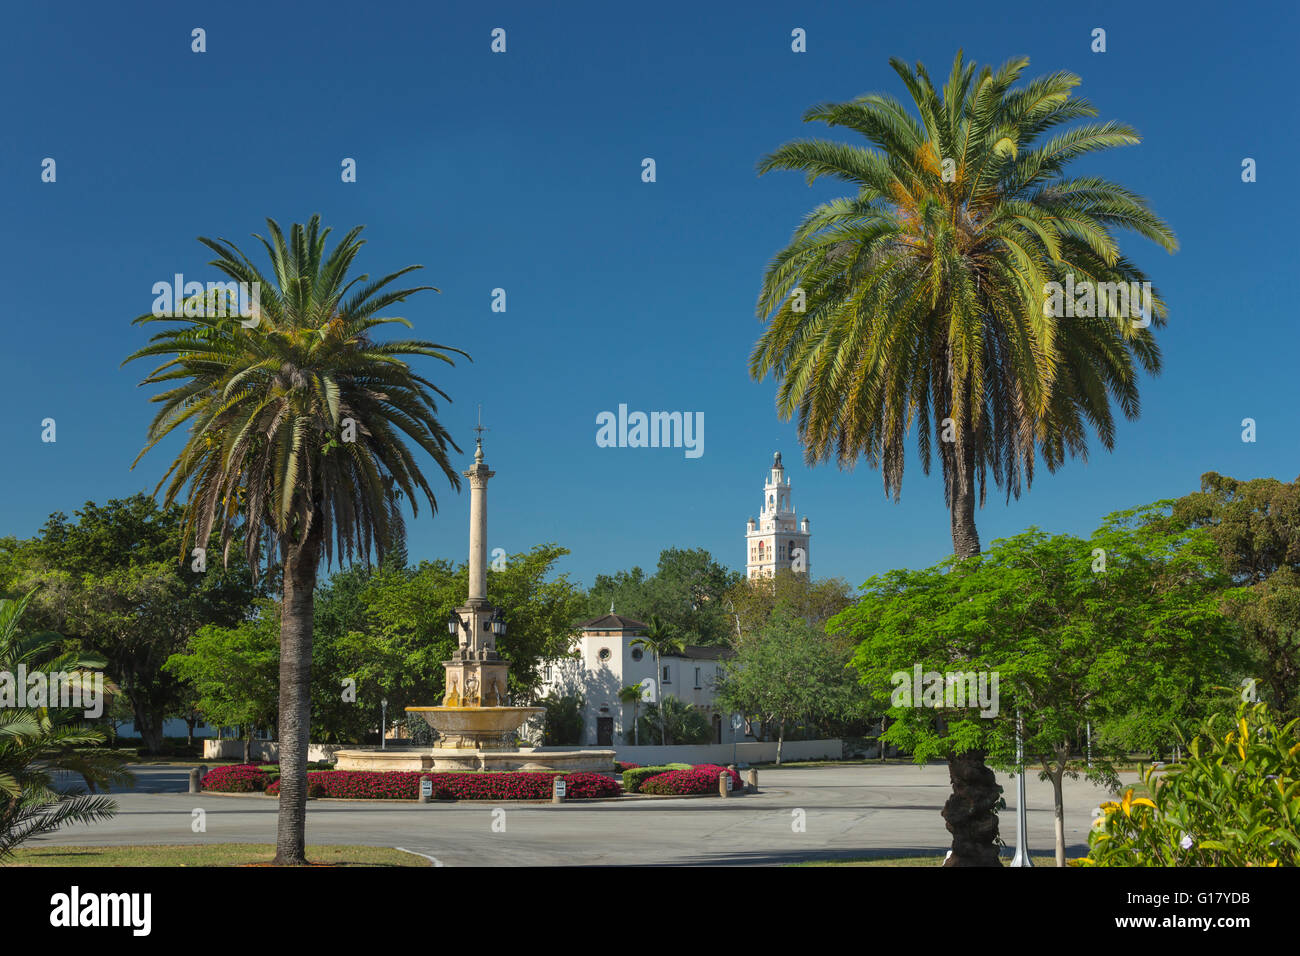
(477, 727)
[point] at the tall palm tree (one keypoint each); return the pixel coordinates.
(298, 423)
(632, 695)
(38, 743)
(659, 639)
(923, 299)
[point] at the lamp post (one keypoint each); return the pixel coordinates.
(383, 723)
(1022, 824)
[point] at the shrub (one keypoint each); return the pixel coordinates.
(675, 722)
(697, 780)
(405, 785)
(236, 778)
(562, 723)
(620, 767)
(1235, 801)
(632, 779)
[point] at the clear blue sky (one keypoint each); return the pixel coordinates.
(522, 171)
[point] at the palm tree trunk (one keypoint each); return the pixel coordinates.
(297, 609)
(969, 812)
(961, 501)
(659, 682)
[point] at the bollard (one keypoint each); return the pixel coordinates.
(558, 789)
(724, 784)
(426, 788)
(752, 785)
(196, 780)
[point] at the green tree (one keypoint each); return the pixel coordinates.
(816, 601)
(1120, 626)
(390, 636)
(298, 427)
(38, 742)
(109, 581)
(660, 639)
(788, 671)
(235, 672)
(1256, 527)
(688, 591)
(920, 298)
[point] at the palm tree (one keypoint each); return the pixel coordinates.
(298, 423)
(925, 299)
(659, 639)
(36, 743)
(632, 695)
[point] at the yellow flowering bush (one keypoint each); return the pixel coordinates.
(1234, 801)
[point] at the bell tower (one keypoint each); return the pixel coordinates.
(778, 540)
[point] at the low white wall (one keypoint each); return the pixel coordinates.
(751, 752)
(263, 750)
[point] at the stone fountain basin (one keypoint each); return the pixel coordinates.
(471, 721)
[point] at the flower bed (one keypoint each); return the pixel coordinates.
(237, 778)
(620, 767)
(700, 779)
(405, 785)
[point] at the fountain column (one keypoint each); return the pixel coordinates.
(478, 479)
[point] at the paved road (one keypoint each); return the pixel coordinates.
(850, 811)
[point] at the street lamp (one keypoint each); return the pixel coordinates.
(383, 723)
(454, 627)
(497, 623)
(1022, 824)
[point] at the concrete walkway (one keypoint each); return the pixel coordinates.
(848, 811)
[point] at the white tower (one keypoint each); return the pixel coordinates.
(774, 542)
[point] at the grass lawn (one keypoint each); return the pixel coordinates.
(207, 854)
(933, 860)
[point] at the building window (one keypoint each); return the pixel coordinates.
(667, 678)
(604, 654)
(548, 671)
(637, 653)
(697, 678)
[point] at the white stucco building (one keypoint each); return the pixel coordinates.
(773, 541)
(607, 661)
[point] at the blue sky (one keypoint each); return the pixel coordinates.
(522, 171)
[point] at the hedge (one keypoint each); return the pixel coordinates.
(405, 785)
(632, 779)
(699, 779)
